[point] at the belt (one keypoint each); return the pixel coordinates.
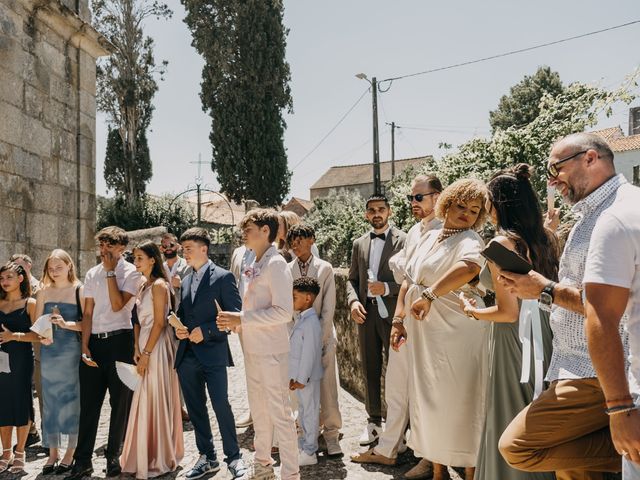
(112, 333)
(372, 300)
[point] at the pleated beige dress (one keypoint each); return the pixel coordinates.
(449, 357)
(153, 444)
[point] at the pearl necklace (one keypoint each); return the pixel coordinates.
(449, 232)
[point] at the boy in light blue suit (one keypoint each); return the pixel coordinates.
(305, 366)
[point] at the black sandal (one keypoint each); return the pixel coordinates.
(63, 468)
(50, 468)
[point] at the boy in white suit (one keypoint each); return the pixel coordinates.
(301, 240)
(263, 323)
(305, 366)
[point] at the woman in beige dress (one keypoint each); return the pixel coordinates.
(448, 351)
(153, 444)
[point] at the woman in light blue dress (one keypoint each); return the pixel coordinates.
(62, 298)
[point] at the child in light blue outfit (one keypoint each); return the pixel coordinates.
(305, 366)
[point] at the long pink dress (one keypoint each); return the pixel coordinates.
(154, 444)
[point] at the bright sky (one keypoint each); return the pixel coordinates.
(332, 40)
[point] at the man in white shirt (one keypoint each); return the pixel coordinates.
(372, 292)
(425, 190)
(566, 429)
(110, 291)
(612, 286)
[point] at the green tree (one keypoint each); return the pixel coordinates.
(146, 212)
(126, 85)
(245, 88)
(116, 164)
(522, 105)
(338, 220)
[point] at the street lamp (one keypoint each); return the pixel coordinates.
(377, 188)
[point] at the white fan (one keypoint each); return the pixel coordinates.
(128, 374)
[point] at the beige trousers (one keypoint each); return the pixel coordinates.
(268, 391)
(330, 416)
(564, 430)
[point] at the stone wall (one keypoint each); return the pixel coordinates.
(48, 54)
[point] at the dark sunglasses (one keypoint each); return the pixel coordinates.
(171, 245)
(552, 168)
(420, 196)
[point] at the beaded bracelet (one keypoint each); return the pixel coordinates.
(429, 294)
(147, 353)
(620, 409)
(397, 321)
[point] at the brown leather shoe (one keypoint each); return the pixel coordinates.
(372, 457)
(424, 469)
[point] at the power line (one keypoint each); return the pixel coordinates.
(331, 131)
(512, 52)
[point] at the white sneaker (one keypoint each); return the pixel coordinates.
(333, 447)
(305, 459)
(370, 434)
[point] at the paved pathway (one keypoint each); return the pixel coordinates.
(354, 418)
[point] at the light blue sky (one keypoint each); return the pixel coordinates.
(332, 40)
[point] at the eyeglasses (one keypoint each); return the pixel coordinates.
(420, 196)
(552, 168)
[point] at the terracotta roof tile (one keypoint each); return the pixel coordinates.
(346, 175)
(617, 141)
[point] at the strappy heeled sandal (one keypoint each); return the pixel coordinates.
(5, 463)
(18, 462)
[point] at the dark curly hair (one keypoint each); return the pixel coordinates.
(300, 230)
(306, 285)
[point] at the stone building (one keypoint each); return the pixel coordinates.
(48, 52)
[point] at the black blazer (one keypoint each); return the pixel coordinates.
(219, 284)
(357, 282)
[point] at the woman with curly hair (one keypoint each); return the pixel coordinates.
(448, 351)
(515, 210)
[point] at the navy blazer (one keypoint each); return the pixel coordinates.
(219, 284)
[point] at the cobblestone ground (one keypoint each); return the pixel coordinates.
(354, 419)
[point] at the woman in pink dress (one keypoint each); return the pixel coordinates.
(153, 444)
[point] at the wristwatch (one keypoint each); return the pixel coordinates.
(546, 296)
(111, 274)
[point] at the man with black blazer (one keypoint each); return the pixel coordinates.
(372, 293)
(203, 353)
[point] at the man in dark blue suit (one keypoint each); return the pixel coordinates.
(204, 355)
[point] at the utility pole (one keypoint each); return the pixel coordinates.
(377, 187)
(393, 148)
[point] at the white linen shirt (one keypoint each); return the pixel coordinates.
(614, 259)
(375, 254)
(95, 286)
(570, 358)
(267, 306)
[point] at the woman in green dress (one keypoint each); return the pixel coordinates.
(515, 210)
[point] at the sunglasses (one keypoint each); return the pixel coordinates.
(170, 245)
(420, 196)
(552, 168)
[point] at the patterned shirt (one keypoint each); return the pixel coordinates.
(570, 359)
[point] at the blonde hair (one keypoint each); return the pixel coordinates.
(290, 219)
(464, 191)
(63, 256)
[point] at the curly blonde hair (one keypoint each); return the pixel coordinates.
(463, 191)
